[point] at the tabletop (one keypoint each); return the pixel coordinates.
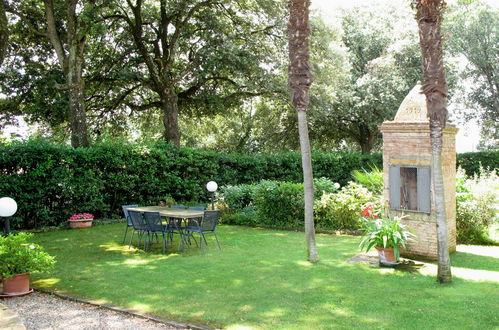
(170, 212)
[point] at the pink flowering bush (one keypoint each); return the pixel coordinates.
(81, 216)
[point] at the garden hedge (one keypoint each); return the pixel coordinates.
(50, 182)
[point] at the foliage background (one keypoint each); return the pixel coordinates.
(50, 182)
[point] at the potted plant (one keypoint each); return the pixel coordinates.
(384, 232)
(81, 220)
(18, 259)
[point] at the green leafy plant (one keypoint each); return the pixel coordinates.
(17, 256)
(371, 179)
(342, 210)
(383, 230)
(477, 204)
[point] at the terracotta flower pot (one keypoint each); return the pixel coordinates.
(386, 255)
(81, 223)
(16, 285)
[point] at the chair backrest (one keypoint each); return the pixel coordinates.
(178, 206)
(137, 220)
(152, 219)
(210, 220)
(125, 210)
(198, 208)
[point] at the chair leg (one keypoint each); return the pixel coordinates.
(218, 243)
(131, 238)
(147, 241)
(164, 242)
(126, 231)
(201, 239)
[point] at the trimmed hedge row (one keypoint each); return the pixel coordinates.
(472, 161)
(51, 182)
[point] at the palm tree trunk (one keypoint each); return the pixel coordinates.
(299, 80)
(429, 18)
(4, 31)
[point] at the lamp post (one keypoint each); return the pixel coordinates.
(8, 207)
(212, 186)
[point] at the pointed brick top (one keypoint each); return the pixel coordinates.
(413, 107)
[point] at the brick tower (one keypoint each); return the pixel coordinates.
(407, 174)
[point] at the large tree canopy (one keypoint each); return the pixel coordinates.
(474, 37)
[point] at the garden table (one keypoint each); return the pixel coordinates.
(177, 215)
(170, 212)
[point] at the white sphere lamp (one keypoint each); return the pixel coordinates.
(212, 186)
(8, 207)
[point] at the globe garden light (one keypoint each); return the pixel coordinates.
(8, 207)
(212, 186)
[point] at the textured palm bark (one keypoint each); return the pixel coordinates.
(429, 18)
(299, 80)
(4, 31)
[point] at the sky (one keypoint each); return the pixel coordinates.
(469, 134)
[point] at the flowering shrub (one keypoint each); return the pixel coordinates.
(383, 230)
(477, 206)
(81, 216)
(341, 210)
(373, 210)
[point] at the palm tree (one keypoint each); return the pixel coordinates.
(299, 81)
(429, 19)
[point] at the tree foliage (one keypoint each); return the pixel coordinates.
(474, 36)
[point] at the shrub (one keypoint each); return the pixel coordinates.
(343, 209)
(17, 256)
(372, 179)
(51, 182)
(246, 216)
(279, 204)
(237, 197)
(472, 162)
(476, 208)
(324, 186)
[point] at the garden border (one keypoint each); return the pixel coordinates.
(127, 311)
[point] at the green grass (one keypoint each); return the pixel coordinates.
(261, 279)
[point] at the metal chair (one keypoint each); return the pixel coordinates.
(208, 224)
(154, 225)
(127, 218)
(138, 226)
(193, 222)
(178, 207)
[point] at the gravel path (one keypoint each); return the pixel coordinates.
(44, 311)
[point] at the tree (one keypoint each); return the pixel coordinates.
(429, 18)
(383, 67)
(65, 26)
(201, 56)
(300, 79)
(473, 30)
(4, 31)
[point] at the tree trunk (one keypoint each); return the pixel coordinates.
(169, 108)
(299, 80)
(4, 32)
(71, 63)
(308, 186)
(78, 117)
(429, 18)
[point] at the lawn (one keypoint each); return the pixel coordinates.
(261, 279)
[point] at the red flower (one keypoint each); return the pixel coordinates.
(367, 211)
